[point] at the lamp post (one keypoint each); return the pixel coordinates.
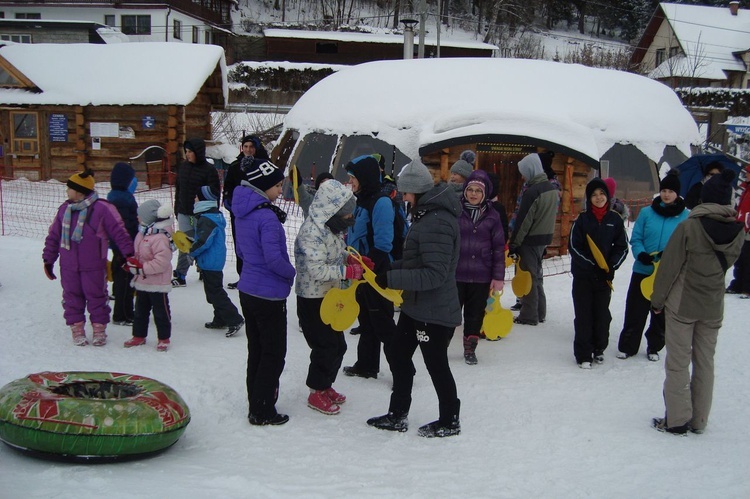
(409, 37)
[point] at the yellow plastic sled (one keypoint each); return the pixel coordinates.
(339, 308)
(647, 285)
(521, 282)
(182, 241)
(498, 321)
(600, 260)
(393, 295)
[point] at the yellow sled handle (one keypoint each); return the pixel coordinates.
(393, 295)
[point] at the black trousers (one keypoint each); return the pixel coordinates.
(592, 317)
(124, 295)
(224, 310)
(741, 272)
(432, 340)
(158, 303)
(265, 327)
(376, 327)
(637, 309)
(327, 347)
(473, 298)
(238, 260)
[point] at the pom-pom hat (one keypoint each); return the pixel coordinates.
(82, 182)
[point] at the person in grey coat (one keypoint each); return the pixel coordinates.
(431, 310)
(689, 289)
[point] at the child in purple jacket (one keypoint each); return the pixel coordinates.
(80, 236)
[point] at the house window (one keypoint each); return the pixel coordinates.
(196, 34)
(28, 15)
(16, 38)
(660, 56)
(8, 80)
(25, 133)
(673, 51)
(109, 20)
(326, 48)
(136, 25)
(177, 29)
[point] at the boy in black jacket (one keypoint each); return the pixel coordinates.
(592, 288)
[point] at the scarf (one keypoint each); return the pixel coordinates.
(280, 214)
(599, 212)
(475, 211)
(668, 210)
(148, 230)
(83, 207)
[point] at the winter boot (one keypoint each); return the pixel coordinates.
(440, 429)
(232, 330)
(319, 401)
(100, 335)
(135, 341)
(162, 345)
(79, 335)
(470, 348)
(336, 397)
(660, 424)
(390, 422)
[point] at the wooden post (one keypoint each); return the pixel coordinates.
(81, 146)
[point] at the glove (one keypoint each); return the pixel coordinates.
(513, 253)
(497, 285)
(354, 272)
(645, 258)
(382, 280)
(132, 261)
(49, 271)
(382, 261)
(605, 275)
(352, 260)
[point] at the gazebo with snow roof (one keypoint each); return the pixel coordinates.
(64, 107)
(595, 120)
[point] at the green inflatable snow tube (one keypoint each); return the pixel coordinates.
(91, 416)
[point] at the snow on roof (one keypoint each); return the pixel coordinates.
(371, 38)
(148, 73)
(413, 103)
(710, 35)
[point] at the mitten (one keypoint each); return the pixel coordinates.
(132, 261)
(382, 280)
(49, 271)
(354, 272)
(645, 258)
(513, 253)
(497, 285)
(352, 260)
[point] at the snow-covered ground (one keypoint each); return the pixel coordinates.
(533, 424)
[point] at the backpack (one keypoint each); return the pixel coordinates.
(400, 226)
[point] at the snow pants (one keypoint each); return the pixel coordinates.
(85, 289)
(265, 327)
(473, 298)
(327, 347)
(158, 303)
(123, 293)
(225, 312)
(376, 327)
(637, 309)
(184, 261)
(534, 304)
(592, 317)
(432, 340)
(688, 396)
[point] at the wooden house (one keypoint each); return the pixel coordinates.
(414, 108)
(64, 107)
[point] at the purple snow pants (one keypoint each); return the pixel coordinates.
(85, 289)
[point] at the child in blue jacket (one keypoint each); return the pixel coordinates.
(210, 252)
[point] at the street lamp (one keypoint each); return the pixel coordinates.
(409, 37)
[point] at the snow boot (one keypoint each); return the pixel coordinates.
(440, 429)
(215, 324)
(362, 373)
(390, 422)
(162, 345)
(135, 341)
(319, 401)
(79, 335)
(336, 397)
(470, 348)
(100, 335)
(276, 420)
(232, 330)
(660, 424)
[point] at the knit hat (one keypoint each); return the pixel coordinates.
(151, 211)
(206, 193)
(530, 166)
(478, 184)
(713, 164)
(82, 182)
(320, 178)
(671, 181)
(469, 156)
(121, 176)
(594, 184)
(260, 173)
(462, 167)
(611, 186)
(415, 178)
(718, 189)
(251, 138)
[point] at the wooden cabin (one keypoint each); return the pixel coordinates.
(410, 109)
(66, 107)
